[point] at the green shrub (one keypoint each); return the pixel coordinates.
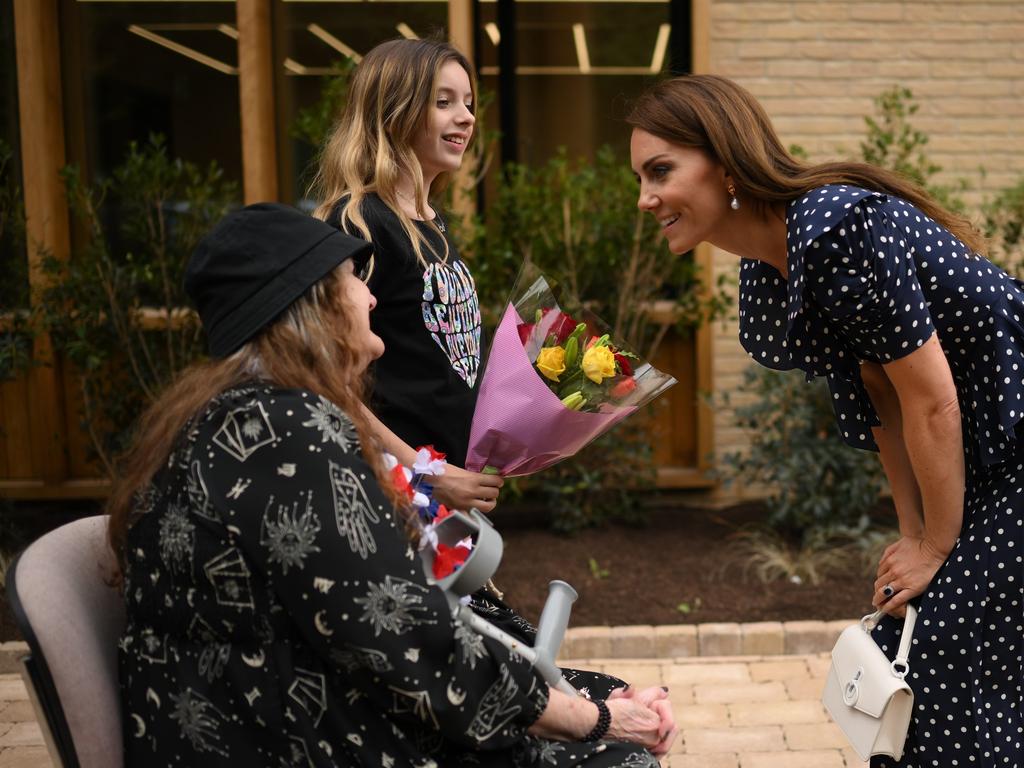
(15, 330)
(115, 309)
(814, 481)
(1004, 227)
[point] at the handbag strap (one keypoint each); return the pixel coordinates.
(908, 633)
(900, 665)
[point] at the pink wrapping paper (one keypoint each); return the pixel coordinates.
(520, 426)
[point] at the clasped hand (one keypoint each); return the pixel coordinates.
(642, 717)
(908, 566)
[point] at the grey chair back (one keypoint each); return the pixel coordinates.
(59, 591)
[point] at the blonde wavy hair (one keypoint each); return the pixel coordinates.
(308, 347)
(369, 150)
(724, 120)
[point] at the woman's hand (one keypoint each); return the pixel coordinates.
(635, 722)
(656, 699)
(460, 489)
(908, 566)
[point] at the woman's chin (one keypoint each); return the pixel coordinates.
(680, 246)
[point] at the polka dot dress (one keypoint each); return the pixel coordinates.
(871, 278)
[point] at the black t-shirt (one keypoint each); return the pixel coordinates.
(424, 386)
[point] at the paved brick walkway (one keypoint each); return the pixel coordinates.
(733, 712)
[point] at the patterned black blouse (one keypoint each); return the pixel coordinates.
(278, 615)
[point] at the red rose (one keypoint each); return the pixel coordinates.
(561, 326)
(624, 365)
(525, 329)
(623, 388)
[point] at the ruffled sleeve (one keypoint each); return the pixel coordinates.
(871, 278)
(862, 276)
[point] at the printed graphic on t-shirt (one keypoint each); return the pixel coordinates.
(451, 314)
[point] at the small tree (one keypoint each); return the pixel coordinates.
(116, 309)
(1004, 227)
(15, 329)
(815, 481)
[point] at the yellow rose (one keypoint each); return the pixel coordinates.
(551, 362)
(598, 364)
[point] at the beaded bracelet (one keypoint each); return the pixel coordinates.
(604, 722)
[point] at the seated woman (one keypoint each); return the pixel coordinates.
(278, 614)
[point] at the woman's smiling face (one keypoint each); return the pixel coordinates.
(683, 188)
(449, 123)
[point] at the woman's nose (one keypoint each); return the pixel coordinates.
(646, 201)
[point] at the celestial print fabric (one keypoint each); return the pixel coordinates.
(871, 278)
(279, 616)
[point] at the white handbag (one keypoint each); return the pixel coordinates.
(866, 694)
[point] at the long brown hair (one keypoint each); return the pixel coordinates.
(370, 147)
(717, 116)
(308, 347)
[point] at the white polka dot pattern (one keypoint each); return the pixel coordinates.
(872, 278)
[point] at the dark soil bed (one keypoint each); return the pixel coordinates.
(682, 567)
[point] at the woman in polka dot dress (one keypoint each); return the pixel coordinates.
(853, 273)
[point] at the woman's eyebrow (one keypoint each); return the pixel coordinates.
(649, 162)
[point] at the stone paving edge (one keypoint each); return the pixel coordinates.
(762, 638)
(666, 641)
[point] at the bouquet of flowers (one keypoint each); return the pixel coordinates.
(584, 370)
(553, 382)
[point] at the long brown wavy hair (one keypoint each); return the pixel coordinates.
(717, 116)
(308, 347)
(370, 147)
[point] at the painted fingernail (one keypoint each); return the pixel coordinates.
(664, 688)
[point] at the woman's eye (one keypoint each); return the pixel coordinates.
(660, 171)
(442, 103)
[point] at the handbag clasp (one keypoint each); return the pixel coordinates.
(851, 691)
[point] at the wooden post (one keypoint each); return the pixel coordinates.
(700, 40)
(460, 34)
(256, 93)
(40, 111)
(704, 255)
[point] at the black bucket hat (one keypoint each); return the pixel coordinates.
(255, 262)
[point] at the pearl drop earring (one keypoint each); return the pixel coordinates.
(734, 203)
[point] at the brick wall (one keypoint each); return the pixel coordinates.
(816, 66)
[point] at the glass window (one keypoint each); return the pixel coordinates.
(132, 69)
(312, 40)
(13, 264)
(577, 64)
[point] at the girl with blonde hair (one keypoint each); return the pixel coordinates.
(404, 130)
